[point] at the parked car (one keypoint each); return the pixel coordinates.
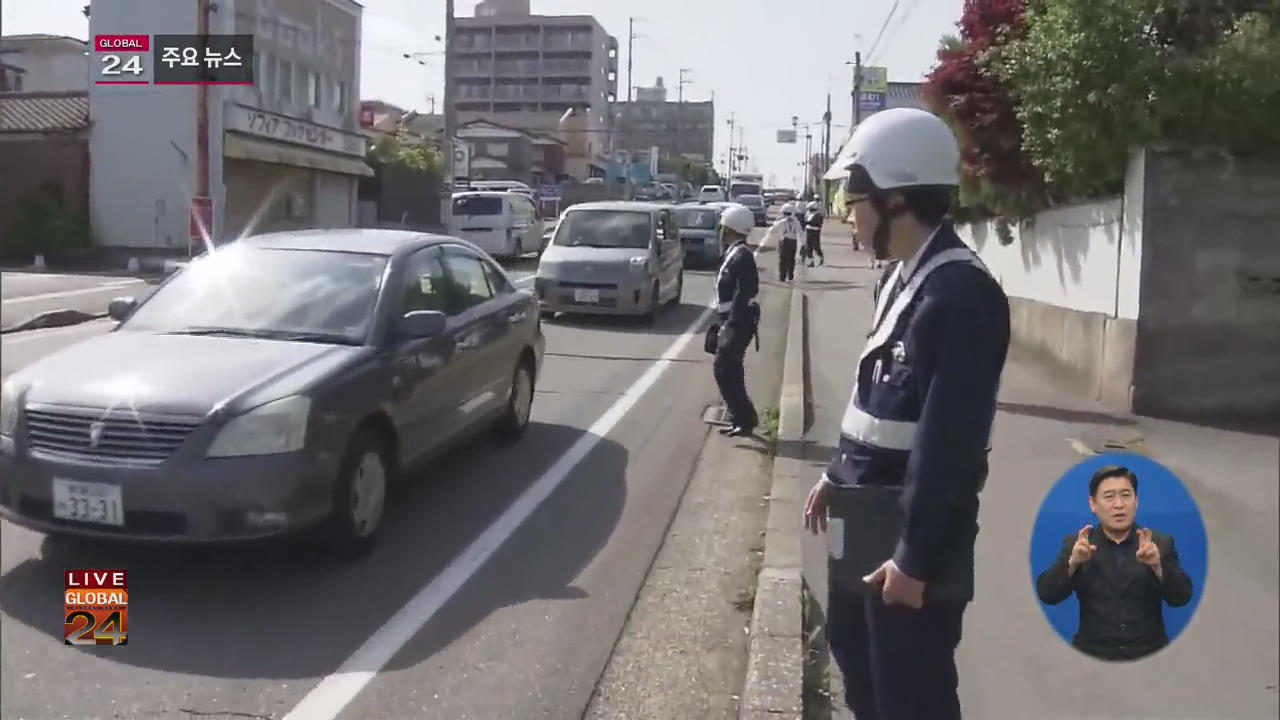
(712, 193)
(502, 223)
(700, 232)
(278, 384)
(612, 258)
(755, 204)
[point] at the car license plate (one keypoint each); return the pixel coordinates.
(91, 502)
(586, 296)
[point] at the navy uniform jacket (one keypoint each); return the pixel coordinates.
(924, 401)
(813, 221)
(737, 285)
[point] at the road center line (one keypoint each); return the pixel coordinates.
(334, 692)
(72, 293)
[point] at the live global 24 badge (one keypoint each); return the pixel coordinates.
(95, 607)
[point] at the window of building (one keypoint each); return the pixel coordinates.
(314, 92)
(285, 81)
(339, 98)
(498, 149)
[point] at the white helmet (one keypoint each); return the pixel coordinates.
(905, 147)
(789, 208)
(739, 219)
(813, 205)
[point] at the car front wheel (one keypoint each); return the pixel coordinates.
(515, 419)
(360, 496)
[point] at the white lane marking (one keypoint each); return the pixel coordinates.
(334, 692)
(72, 293)
(29, 335)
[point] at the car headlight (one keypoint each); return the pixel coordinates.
(640, 264)
(274, 428)
(8, 409)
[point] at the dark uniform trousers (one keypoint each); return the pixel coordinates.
(787, 259)
(898, 663)
(731, 375)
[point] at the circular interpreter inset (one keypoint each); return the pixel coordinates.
(1119, 557)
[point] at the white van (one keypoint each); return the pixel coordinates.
(503, 224)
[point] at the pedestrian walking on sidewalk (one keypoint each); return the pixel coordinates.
(786, 231)
(813, 219)
(902, 491)
(737, 285)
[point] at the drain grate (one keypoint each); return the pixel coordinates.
(1089, 446)
(716, 415)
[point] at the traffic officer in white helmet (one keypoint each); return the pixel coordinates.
(899, 500)
(737, 285)
(787, 232)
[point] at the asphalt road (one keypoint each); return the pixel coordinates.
(24, 295)
(252, 630)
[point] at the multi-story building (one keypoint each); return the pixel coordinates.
(545, 74)
(677, 129)
(286, 152)
(43, 63)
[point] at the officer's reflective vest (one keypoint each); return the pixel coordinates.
(891, 428)
(726, 282)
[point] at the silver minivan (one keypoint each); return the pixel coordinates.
(503, 224)
(612, 258)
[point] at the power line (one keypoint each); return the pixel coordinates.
(902, 20)
(880, 34)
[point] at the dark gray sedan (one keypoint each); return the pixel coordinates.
(279, 383)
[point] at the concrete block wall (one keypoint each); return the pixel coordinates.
(1208, 343)
(1164, 301)
(1065, 275)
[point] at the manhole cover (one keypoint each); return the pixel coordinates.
(716, 415)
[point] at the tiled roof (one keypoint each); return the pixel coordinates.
(41, 112)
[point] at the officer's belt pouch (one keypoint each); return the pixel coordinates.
(869, 520)
(711, 341)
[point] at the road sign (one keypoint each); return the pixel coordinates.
(201, 217)
(872, 101)
(875, 79)
(787, 137)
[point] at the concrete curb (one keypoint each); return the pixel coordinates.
(53, 319)
(774, 686)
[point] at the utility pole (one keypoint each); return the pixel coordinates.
(202, 139)
(450, 95)
(857, 87)
(631, 46)
(808, 157)
(676, 145)
(826, 153)
(731, 154)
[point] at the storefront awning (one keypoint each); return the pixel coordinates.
(241, 147)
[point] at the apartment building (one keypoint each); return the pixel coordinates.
(555, 75)
(677, 129)
(284, 153)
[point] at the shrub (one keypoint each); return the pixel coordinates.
(43, 226)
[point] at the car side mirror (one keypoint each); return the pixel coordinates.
(421, 324)
(121, 307)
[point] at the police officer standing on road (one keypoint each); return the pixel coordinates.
(902, 490)
(813, 218)
(787, 231)
(737, 285)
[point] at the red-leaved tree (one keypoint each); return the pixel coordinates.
(965, 90)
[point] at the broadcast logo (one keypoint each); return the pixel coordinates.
(96, 607)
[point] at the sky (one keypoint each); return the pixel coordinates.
(765, 61)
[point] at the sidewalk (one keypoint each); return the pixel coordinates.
(1012, 664)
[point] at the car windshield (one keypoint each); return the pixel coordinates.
(738, 189)
(604, 228)
(242, 290)
(752, 201)
(472, 205)
(697, 219)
